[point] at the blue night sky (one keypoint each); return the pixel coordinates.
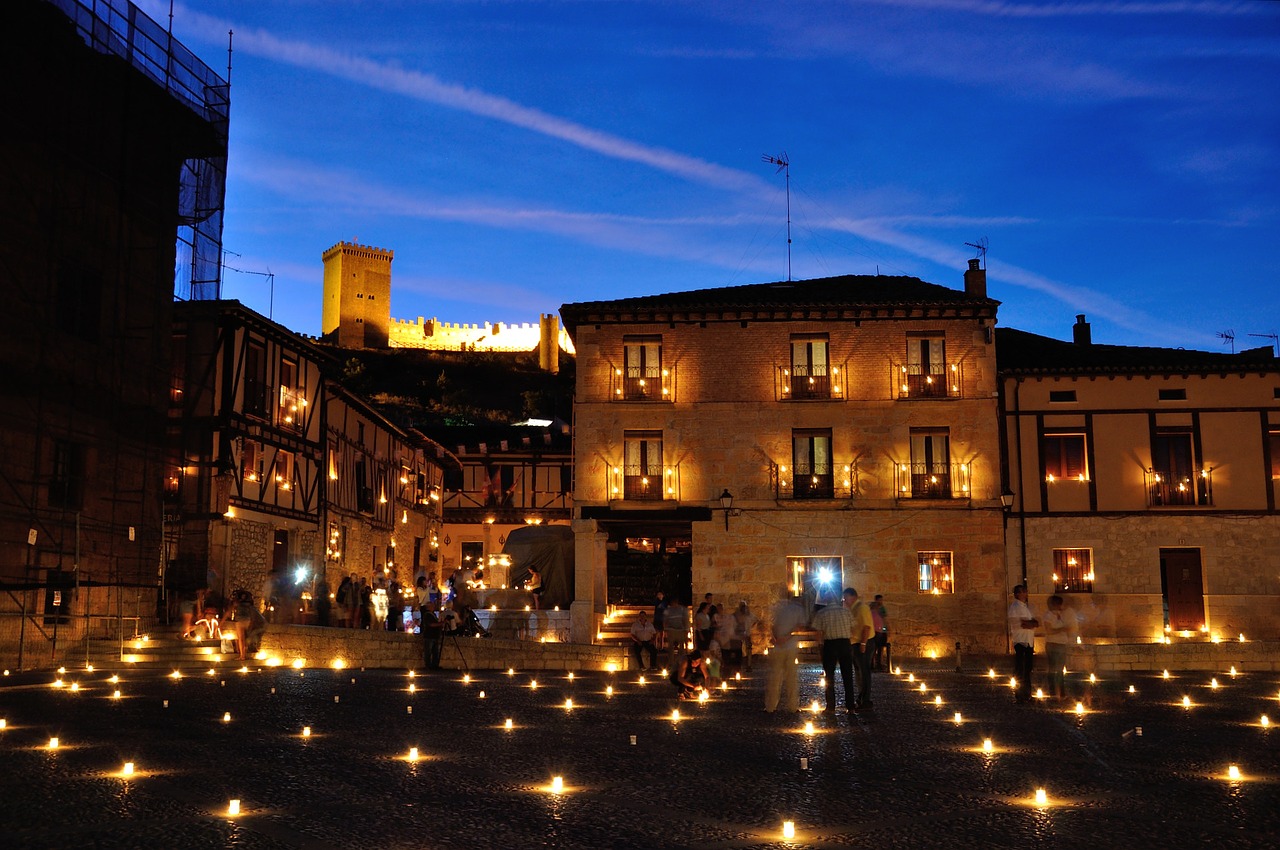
(1122, 158)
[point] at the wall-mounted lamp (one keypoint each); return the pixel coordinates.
(1006, 498)
(726, 505)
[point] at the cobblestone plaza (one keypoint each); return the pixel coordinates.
(725, 775)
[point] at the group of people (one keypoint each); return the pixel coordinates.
(720, 638)
(854, 637)
(1061, 628)
(235, 620)
(361, 604)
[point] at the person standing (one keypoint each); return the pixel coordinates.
(675, 624)
(659, 615)
(1059, 631)
(783, 685)
(1022, 631)
(863, 645)
(323, 604)
(743, 622)
(880, 619)
(395, 605)
(835, 621)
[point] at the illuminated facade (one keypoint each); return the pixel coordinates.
(1146, 484)
(277, 471)
(851, 419)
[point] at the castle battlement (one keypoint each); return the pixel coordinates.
(366, 252)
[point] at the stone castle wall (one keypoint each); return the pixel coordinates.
(434, 335)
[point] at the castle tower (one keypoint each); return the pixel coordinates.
(357, 295)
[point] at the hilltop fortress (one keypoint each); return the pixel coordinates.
(357, 314)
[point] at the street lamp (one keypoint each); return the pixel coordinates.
(726, 505)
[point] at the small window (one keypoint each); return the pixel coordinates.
(1275, 393)
(284, 470)
(1273, 441)
(811, 456)
(1173, 395)
(935, 573)
(1056, 396)
(1064, 457)
(1073, 571)
(818, 578)
(251, 461)
(66, 479)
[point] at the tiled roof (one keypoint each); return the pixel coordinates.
(842, 293)
(1020, 351)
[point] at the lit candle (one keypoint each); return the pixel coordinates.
(570, 675)
(703, 696)
(808, 727)
(1233, 772)
(897, 671)
(408, 709)
(813, 706)
(533, 684)
(557, 784)
(959, 718)
(608, 690)
(788, 829)
(1232, 671)
(1132, 689)
(1165, 674)
(641, 681)
(1042, 798)
(113, 679)
(1013, 682)
(987, 746)
(482, 695)
(1092, 679)
(1079, 708)
(53, 743)
(1213, 683)
(115, 694)
(511, 671)
(413, 754)
(664, 672)
(226, 717)
(413, 688)
(675, 715)
(1039, 693)
(4, 724)
(923, 687)
(508, 725)
(991, 673)
(128, 769)
(1264, 721)
(936, 700)
(233, 808)
(737, 677)
(911, 677)
(1186, 702)
(75, 686)
(306, 731)
(568, 704)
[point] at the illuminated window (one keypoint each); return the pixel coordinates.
(642, 465)
(819, 579)
(251, 461)
(935, 572)
(1064, 457)
(811, 459)
(284, 470)
(1072, 570)
(1175, 477)
(926, 367)
(1273, 441)
(930, 463)
(642, 374)
(810, 371)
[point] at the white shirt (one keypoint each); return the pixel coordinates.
(643, 630)
(788, 616)
(1019, 611)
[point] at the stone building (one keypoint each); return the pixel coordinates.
(281, 474)
(107, 117)
(1145, 484)
(819, 433)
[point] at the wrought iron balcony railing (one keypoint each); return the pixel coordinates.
(789, 483)
(634, 483)
(1172, 490)
(648, 383)
(808, 382)
(933, 481)
(921, 380)
(292, 409)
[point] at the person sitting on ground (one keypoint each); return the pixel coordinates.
(642, 637)
(690, 675)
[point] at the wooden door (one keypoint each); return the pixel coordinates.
(1183, 585)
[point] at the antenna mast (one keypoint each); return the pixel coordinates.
(981, 247)
(784, 164)
(1228, 337)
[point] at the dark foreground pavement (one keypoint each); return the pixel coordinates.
(725, 776)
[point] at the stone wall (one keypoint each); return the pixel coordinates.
(319, 647)
(1219, 658)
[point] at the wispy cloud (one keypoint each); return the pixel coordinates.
(1084, 8)
(431, 89)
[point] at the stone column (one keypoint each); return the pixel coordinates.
(590, 580)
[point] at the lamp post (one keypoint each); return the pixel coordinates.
(726, 505)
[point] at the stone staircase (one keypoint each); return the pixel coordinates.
(166, 653)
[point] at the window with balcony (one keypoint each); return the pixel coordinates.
(935, 572)
(1072, 571)
(810, 372)
(642, 473)
(284, 470)
(926, 374)
(255, 380)
(930, 470)
(1175, 479)
(251, 461)
(291, 404)
(1064, 458)
(820, 578)
(642, 376)
(811, 460)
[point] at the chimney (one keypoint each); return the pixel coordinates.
(975, 280)
(1080, 332)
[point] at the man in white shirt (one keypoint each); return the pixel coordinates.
(783, 684)
(642, 635)
(1022, 631)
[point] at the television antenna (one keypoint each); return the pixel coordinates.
(783, 162)
(981, 247)
(1273, 336)
(268, 274)
(1228, 337)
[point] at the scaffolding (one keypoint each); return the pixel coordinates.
(119, 28)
